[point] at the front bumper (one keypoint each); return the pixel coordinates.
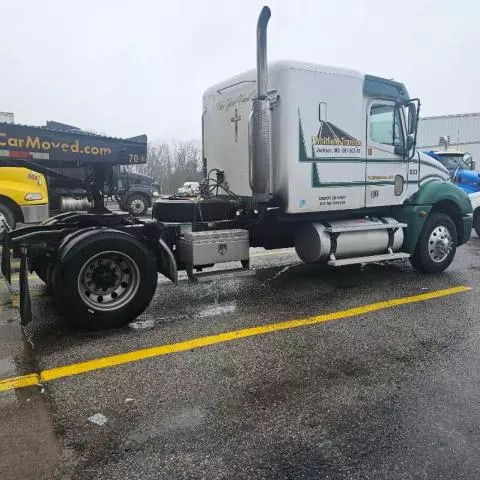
(34, 213)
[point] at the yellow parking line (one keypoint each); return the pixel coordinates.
(158, 351)
(19, 382)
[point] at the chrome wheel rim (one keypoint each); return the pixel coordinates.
(440, 244)
(108, 280)
(3, 221)
(137, 206)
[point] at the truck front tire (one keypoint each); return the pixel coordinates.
(137, 204)
(104, 281)
(6, 215)
(437, 244)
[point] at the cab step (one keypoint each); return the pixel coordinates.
(369, 259)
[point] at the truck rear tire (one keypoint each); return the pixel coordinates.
(437, 244)
(6, 215)
(137, 204)
(476, 221)
(104, 281)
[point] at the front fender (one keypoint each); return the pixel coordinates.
(416, 210)
(147, 191)
(437, 191)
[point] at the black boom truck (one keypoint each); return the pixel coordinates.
(64, 149)
(112, 252)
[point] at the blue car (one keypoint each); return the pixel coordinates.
(464, 174)
(461, 167)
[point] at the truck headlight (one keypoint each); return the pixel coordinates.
(155, 194)
(33, 196)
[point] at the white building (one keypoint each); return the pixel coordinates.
(6, 117)
(463, 131)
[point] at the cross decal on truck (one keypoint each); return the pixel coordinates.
(236, 118)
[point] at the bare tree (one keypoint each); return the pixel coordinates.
(186, 162)
(172, 164)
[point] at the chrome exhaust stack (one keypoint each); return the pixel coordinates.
(262, 24)
(260, 168)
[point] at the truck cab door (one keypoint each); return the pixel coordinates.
(386, 175)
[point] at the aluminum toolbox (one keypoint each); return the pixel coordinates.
(218, 246)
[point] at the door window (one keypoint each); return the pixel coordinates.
(385, 125)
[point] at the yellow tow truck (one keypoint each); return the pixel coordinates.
(23, 197)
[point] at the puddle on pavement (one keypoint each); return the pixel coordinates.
(186, 419)
(282, 271)
(142, 324)
(215, 310)
(8, 368)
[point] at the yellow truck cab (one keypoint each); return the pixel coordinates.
(23, 197)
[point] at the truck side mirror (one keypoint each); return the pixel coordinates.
(403, 151)
(409, 142)
(468, 160)
(412, 119)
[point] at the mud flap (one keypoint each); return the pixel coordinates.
(6, 262)
(166, 263)
(25, 304)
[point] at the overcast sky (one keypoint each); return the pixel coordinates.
(130, 67)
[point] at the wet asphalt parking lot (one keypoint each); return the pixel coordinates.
(390, 394)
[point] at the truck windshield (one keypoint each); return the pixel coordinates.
(452, 162)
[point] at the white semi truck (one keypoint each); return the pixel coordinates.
(295, 155)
